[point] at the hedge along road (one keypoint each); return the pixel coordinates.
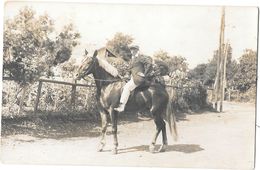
(207, 140)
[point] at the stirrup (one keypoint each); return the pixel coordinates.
(120, 108)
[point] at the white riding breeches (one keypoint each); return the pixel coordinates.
(129, 86)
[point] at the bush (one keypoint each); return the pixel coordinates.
(247, 96)
(55, 99)
(188, 95)
(191, 97)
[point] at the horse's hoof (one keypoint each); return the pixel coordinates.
(114, 151)
(152, 148)
(100, 148)
(162, 148)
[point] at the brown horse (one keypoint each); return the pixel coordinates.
(154, 99)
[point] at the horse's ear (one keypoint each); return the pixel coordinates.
(86, 52)
(95, 54)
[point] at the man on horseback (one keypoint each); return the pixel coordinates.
(141, 67)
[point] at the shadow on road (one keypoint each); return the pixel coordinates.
(54, 127)
(60, 127)
(66, 126)
(184, 148)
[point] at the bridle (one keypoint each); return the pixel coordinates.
(94, 60)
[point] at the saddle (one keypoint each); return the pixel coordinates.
(149, 81)
(144, 86)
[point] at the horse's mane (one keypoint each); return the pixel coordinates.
(107, 67)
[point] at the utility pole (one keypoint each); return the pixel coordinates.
(223, 78)
(219, 85)
(216, 84)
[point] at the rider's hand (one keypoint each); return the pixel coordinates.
(140, 74)
(119, 76)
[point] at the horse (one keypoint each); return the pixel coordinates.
(154, 99)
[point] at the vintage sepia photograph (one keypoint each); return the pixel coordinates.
(130, 85)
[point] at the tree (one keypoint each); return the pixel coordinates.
(174, 62)
(120, 44)
(29, 50)
(198, 73)
(207, 72)
(25, 38)
(65, 41)
(245, 78)
(69, 68)
(162, 55)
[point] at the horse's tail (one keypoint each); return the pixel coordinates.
(171, 119)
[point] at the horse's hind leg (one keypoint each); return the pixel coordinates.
(160, 126)
(104, 121)
(158, 130)
(164, 137)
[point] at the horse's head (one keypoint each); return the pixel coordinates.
(87, 66)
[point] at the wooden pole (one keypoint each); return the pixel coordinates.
(219, 74)
(73, 96)
(38, 97)
(229, 94)
(223, 80)
(216, 84)
(22, 98)
(222, 56)
(221, 84)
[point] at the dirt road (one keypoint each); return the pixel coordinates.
(208, 140)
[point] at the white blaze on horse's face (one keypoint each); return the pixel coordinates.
(84, 68)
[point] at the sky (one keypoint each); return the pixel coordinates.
(188, 31)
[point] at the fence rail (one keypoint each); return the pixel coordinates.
(74, 86)
(73, 90)
(65, 83)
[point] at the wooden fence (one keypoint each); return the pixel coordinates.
(73, 90)
(228, 94)
(74, 86)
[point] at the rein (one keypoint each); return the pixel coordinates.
(117, 80)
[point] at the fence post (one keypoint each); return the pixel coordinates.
(229, 94)
(73, 96)
(38, 96)
(22, 99)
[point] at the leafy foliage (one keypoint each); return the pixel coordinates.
(240, 75)
(55, 99)
(245, 77)
(120, 44)
(188, 95)
(206, 73)
(198, 73)
(30, 49)
(65, 41)
(174, 62)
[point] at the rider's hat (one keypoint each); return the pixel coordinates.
(134, 47)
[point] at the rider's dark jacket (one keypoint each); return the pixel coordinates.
(141, 67)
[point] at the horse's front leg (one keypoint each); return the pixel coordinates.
(114, 117)
(104, 124)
